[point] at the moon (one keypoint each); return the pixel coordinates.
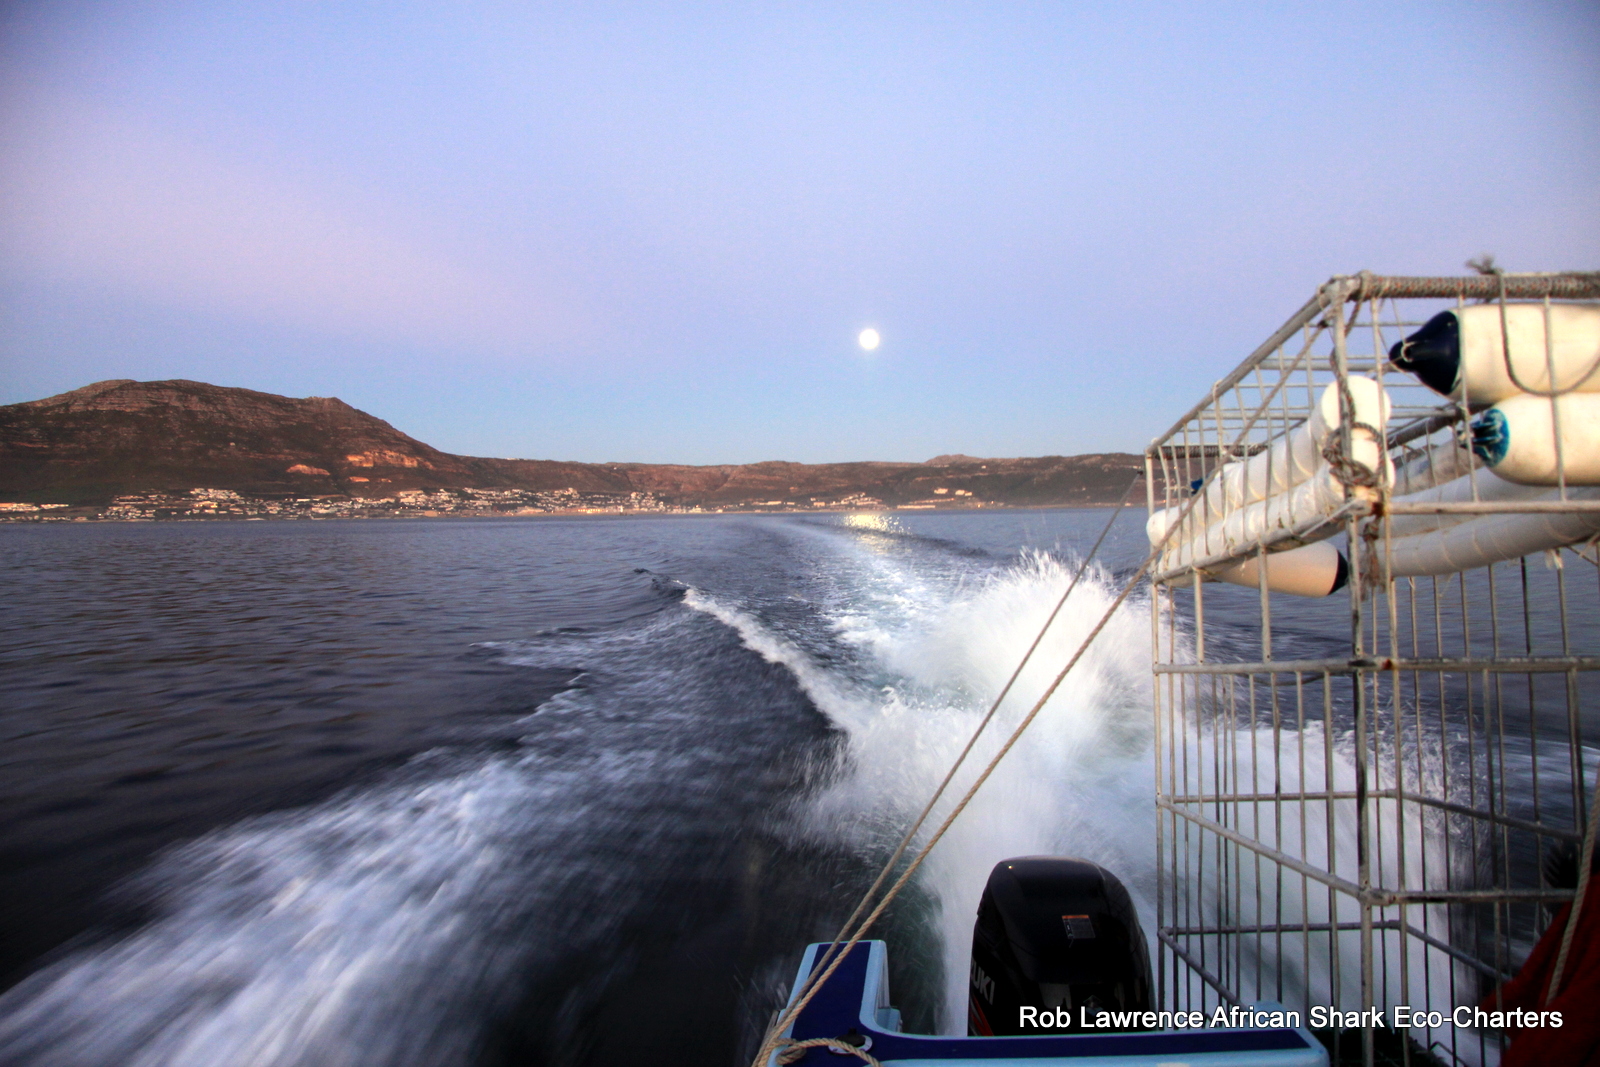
(868, 339)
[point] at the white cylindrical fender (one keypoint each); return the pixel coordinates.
(1282, 486)
(1296, 456)
(1245, 526)
(1517, 438)
(1482, 485)
(1485, 539)
(1462, 352)
(1310, 570)
(1155, 527)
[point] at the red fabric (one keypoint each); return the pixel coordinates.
(1577, 1040)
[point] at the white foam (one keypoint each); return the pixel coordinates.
(1078, 783)
(340, 935)
(1296, 967)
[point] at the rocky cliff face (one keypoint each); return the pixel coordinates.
(123, 436)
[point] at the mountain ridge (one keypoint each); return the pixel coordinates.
(107, 439)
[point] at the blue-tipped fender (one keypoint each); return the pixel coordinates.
(1517, 438)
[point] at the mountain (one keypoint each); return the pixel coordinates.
(120, 437)
(123, 436)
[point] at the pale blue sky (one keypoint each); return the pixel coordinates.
(653, 231)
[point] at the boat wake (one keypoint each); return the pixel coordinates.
(476, 893)
(932, 649)
(303, 938)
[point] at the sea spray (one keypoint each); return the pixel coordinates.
(1291, 938)
(1078, 783)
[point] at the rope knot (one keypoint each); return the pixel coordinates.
(1347, 471)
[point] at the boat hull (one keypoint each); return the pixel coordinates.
(856, 998)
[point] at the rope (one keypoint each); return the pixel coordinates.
(1505, 350)
(790, 1051)
(1339, 450)
(1345, 469)
(1584, 863)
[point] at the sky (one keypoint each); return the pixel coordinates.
(654, 232)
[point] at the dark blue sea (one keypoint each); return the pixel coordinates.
(535, 791)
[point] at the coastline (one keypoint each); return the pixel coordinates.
(48, 514)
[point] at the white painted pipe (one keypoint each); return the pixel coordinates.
(1310, 570)
(1462, 352)
(1517, 438)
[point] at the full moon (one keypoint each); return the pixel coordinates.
(868, 339)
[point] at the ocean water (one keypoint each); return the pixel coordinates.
(518, 792)
(543, 791)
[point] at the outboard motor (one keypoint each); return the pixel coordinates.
(1057, 935)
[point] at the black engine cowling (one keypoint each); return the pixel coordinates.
(1054, 933)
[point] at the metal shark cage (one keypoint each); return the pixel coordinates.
(1361, 799)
